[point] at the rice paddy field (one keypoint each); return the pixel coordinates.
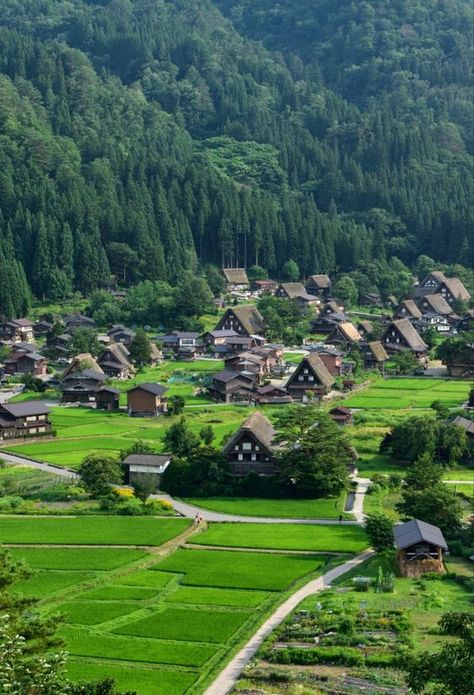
(81, 431)
(157, 623)
(403, 393)
(329, 508)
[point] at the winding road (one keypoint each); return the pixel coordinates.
(227, 678)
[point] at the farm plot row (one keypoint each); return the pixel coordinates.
(399, 394)
(158, 627)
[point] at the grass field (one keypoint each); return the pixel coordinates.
(218, 597)
(401, 393)
(90, 530)
(94, 612)
(283, 508)
(337, 538)
(45, 581)
(239, 570)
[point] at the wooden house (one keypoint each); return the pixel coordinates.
(466, 323)
(184, 344)
(248, 362)
(371, 299)
(145, 467)
(461, 362)
(465, 424)
(18, 330)
(107, 398)
(115, 361)
(146, 400)
(434, 304)
(270, 395)
(375, 355)
(42, 328)
(344, 333)
(311, 375)
(245, 320)
(252, 448)
(214, 338)
(407, 310)
(332, 358)
(59, 345)
(121, 334)
(401, 335)
(81, 386)
(26, 362)
(296, 292)
(341, 415)
(229, 386)
(420, 547)
(330, 315)
(451, 289)
(81, 361)
(74, 321)
(236, 279)
(27, 419)
(319, 285)
(264, 287)
(365, 328)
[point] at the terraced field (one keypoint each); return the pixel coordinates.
(158, 625)
(404, 393)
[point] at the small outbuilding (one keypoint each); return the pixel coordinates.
(420, 547)
(146, 400)
(107, 398)
(146, 468)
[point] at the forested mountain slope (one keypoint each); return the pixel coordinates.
(148, 137)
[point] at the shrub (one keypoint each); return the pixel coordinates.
(362, 583)
(346, 656)
(131, 507)
(382, 660)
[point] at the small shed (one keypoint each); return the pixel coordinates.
(146, 467)
(420, 547)
(107, 398)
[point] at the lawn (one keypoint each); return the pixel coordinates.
(253, 506)
(187, 624)
(150, 681)
(94, 559)
(319, 538)
(90, 530)
(81, 643)
(240, 570)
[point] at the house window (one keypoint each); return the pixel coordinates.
(254, 457)
(240, 457)
(257, 448)
(301, 377)
(311, 378)
(246, 446)
(236, 448)
(305, 371)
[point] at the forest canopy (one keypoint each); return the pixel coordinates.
(143, 139)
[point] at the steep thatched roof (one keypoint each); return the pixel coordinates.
(261, 428)
(236, 276)
(80, 362)
(250, 318)
(410, 309)
(322, 282)
(411, 336)
(378, 351)
(349, 331)
(437, 304)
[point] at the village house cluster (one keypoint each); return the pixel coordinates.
(255, 370)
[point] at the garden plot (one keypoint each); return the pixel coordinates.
(90, 530)
(318, 538)
(94, 612)
(44, 582)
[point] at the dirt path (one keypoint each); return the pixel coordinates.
(226, 680)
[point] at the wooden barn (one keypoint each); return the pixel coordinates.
(420, 547)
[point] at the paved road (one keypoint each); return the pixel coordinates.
(226, 680)
(190, 511)
(21, 461)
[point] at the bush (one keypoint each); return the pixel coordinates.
(345, 656)
(382, 660)
(131, 507)
(10, 502)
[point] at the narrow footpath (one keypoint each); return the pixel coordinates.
(226, 680)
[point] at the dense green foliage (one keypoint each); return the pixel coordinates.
(147, 138)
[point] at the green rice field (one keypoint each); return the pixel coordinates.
(90, 530)
(317, 538)
(282, 508)
(155, 625)
(407, 393)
